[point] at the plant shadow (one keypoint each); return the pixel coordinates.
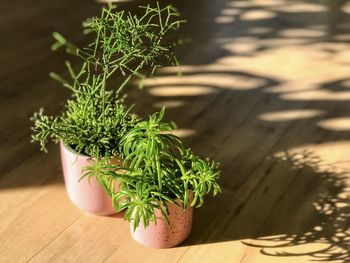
(311, 206)
(240, 113)
(236, 102)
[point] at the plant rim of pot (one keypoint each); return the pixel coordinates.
(71, 150)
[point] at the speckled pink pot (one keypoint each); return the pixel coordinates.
(163, 235)
(88, 195)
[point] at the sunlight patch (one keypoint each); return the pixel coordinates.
(302, 8)
(173, 91)
(202, 84)
(336, 124)
(336, 153)
(317, 95)
(257, 15)
(346, 8)
(289, 115)
(302, 33)
(269, 3)
(183, 133)
(225, 19)
(245, 48)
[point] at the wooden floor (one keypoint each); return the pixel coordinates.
(265, 90)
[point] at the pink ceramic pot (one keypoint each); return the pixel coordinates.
(88, 195)
(162, 235)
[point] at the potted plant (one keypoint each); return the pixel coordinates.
(95, 119)
(159, 182)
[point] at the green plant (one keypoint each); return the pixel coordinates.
(127, 43)
(94, 119)
(92, 123)
(157, 169)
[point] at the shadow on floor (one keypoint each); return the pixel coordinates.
(259, 77)
(231, 106)
(311, 206)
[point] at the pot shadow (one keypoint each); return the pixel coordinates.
(224, 109)
(118, 215)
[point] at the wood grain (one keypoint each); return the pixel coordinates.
(264, 90)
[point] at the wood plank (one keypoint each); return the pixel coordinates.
(261, 81)
(31, 213)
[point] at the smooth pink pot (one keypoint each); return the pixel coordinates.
(162, 235)
(88, 195)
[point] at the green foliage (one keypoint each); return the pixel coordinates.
(157, 169)
(198, 174)
(149, 144)
(127, 43)
(94, 119)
